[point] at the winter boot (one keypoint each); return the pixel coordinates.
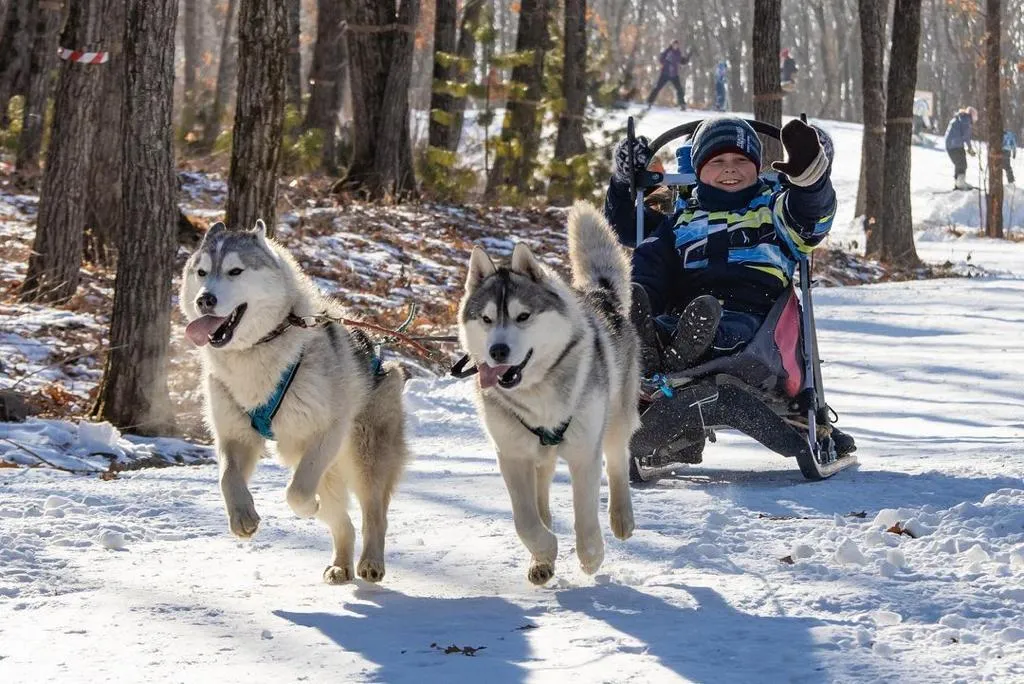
(640, 316)
(694, 333)
(844, 443)
(961, 182)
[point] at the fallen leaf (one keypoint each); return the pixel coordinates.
(898, 528)
(788, 560)
(857, 514)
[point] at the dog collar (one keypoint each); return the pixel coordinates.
(263, 415)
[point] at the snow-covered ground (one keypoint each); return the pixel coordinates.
(739, 570)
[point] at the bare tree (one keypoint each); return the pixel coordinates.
(104, 217)
(190, 43)
(872, 31)
(327, 78)
(381, 49)
(293, 80)
(441, 100)
(520, 132)
(994, 116)
(569, 140)
(767, 90)
(46, 21)
(57, 250)
(225, 77)
(465, 51)
(15, 49)
(259, 114)
(133, 393)
(897, 219)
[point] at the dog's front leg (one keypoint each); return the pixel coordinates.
(318, 456)
(237, 460)
(585, 470)
(520, 473)
(616, 454)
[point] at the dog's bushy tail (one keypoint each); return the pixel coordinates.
(597, 258)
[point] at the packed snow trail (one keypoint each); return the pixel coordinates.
(138, 579)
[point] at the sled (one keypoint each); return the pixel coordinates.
(771, 389)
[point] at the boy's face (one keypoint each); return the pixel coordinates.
(729, 171)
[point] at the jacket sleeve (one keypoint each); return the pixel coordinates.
(621, 214)
(656, 266)
(803, 216)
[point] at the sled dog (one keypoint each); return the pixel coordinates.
(276, 369)
(558, 376)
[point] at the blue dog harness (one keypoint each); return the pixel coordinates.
(261, 417)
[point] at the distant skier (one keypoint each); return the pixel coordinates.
(1009, 152)
(922, 117)
(787, 71)
(958, 139)
(721, 80)
(671, 59)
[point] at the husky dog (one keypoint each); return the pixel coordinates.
(558, 376)
(316, 388)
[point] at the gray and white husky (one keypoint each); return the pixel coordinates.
(319, 391)
(558, 376)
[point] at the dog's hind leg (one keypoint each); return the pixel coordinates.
(334, 512)
(520, 476)
(237, 459)
(616, 454)
(545, 474)
(585, 469)
(318, 456)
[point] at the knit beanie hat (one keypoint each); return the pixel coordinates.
(724, 134)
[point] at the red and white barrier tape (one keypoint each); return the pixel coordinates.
(83, 57)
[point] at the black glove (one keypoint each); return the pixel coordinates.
(805, 161)
(641, 157)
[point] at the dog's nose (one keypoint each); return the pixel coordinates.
(206, 302)
(500, 352)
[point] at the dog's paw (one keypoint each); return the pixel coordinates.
(622, 522)
(591, 555)
(303, 504)
(371, 570)
(243, 520)
(540, 572)
(336, 574)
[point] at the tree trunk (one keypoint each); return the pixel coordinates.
(133, 394)
(57, 250)
(466, 51)
(442, 101)
(515, 157)
(259, 114)
(829, 48)
(872, 31)
(225, 77)
(327, 79)
(381, 47)
(897, 220)
(104, 217)
(190, 42)
(293, 86)
(994, 115)
(47, 17)
(569, 141)
(767, 91)
(14, 53)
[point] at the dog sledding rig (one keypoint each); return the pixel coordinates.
(771, 389)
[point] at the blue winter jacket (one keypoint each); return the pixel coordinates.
(743, 256)
(1010, 143)
(958, 132)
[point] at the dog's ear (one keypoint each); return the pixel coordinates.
(260, 229)
(480, 268)
(212, 231)
(523, 262)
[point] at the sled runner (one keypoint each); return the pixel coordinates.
(771, 389)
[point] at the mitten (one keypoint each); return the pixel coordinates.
(805, 161)
(641, 158)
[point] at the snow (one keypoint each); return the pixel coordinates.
(739, 570)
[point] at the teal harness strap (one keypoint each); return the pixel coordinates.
(261, 417)
(548, 437)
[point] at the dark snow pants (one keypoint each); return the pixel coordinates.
(1007, 167)
(959, 158)
(674, 80)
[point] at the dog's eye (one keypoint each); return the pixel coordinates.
(523, 317)
(235, 271)
(201, 273)
(486, 319)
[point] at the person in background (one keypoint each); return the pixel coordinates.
(922, 116)
(958, 144)
(1009, 152)
(671, 59)
(721, 80)
(787, 70)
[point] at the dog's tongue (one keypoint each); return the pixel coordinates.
(198, 331)
(489, 375)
